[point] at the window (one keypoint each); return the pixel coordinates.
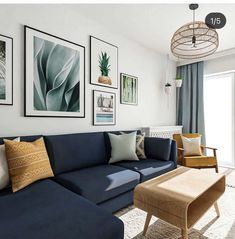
(219, 111)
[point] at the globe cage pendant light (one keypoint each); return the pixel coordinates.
(194, 40)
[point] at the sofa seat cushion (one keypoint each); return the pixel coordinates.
(148, 168)
(100, 183)
(47, 210)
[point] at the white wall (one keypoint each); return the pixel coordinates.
(220, 64)
(63, 21)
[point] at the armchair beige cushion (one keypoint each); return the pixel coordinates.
(192, 146)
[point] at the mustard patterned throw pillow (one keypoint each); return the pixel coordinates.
(27, 162)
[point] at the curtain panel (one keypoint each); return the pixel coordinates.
(190, 106)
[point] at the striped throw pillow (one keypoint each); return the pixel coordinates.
(140, 146)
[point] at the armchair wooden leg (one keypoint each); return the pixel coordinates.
(216, 169)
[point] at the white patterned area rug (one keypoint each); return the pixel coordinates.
(208, 227)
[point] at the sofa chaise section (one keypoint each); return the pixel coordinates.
(49, 211)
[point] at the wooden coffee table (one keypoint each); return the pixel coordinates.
(180, 197)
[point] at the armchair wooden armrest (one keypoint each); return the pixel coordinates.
(206, 147)
(181, 151)
(180, 155)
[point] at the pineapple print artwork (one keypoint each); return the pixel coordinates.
(103, 63)
(104, 66)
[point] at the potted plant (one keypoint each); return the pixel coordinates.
(168, 88)
(178, 81)
(104, 66)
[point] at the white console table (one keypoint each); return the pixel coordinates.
(162, 131)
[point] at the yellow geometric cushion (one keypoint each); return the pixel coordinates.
(27, 162)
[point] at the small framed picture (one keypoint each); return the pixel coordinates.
(54, 76)
(104, 108)
(129, 89)
(6, 70)
(103, 63)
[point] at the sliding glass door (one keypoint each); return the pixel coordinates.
(219, 103)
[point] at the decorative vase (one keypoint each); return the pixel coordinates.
(167, 90)
(105, 80)
(178, 82)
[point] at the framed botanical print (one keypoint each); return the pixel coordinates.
(6, 70)
(104, 108)
(129, 89)
(54, 76)
(103, 63)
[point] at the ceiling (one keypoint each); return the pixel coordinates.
(152, 25)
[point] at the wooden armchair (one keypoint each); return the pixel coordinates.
(195, 161)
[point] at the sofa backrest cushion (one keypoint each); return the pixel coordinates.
(75, 151)
(158, 148)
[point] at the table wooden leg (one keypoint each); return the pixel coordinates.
(147, 221)
(184, 233)
(217, 209)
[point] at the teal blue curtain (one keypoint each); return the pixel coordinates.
(190, 106)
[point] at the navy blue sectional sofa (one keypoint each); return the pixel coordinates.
(79, 201)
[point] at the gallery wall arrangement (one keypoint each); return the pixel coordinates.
(55, 77)
(6, 70)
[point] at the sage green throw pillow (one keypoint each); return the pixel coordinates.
(123, 147)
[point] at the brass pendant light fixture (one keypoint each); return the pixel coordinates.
(194, 40)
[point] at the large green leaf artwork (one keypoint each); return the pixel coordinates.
(56, 77)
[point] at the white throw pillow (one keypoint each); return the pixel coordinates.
(123, 147)
(192, 146)
(4, 174)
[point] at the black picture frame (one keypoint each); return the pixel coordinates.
(121, 89)
(10, 102)
(26, 114)
(91, 75)
(114, 109)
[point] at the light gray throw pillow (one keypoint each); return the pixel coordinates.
(123, 147)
